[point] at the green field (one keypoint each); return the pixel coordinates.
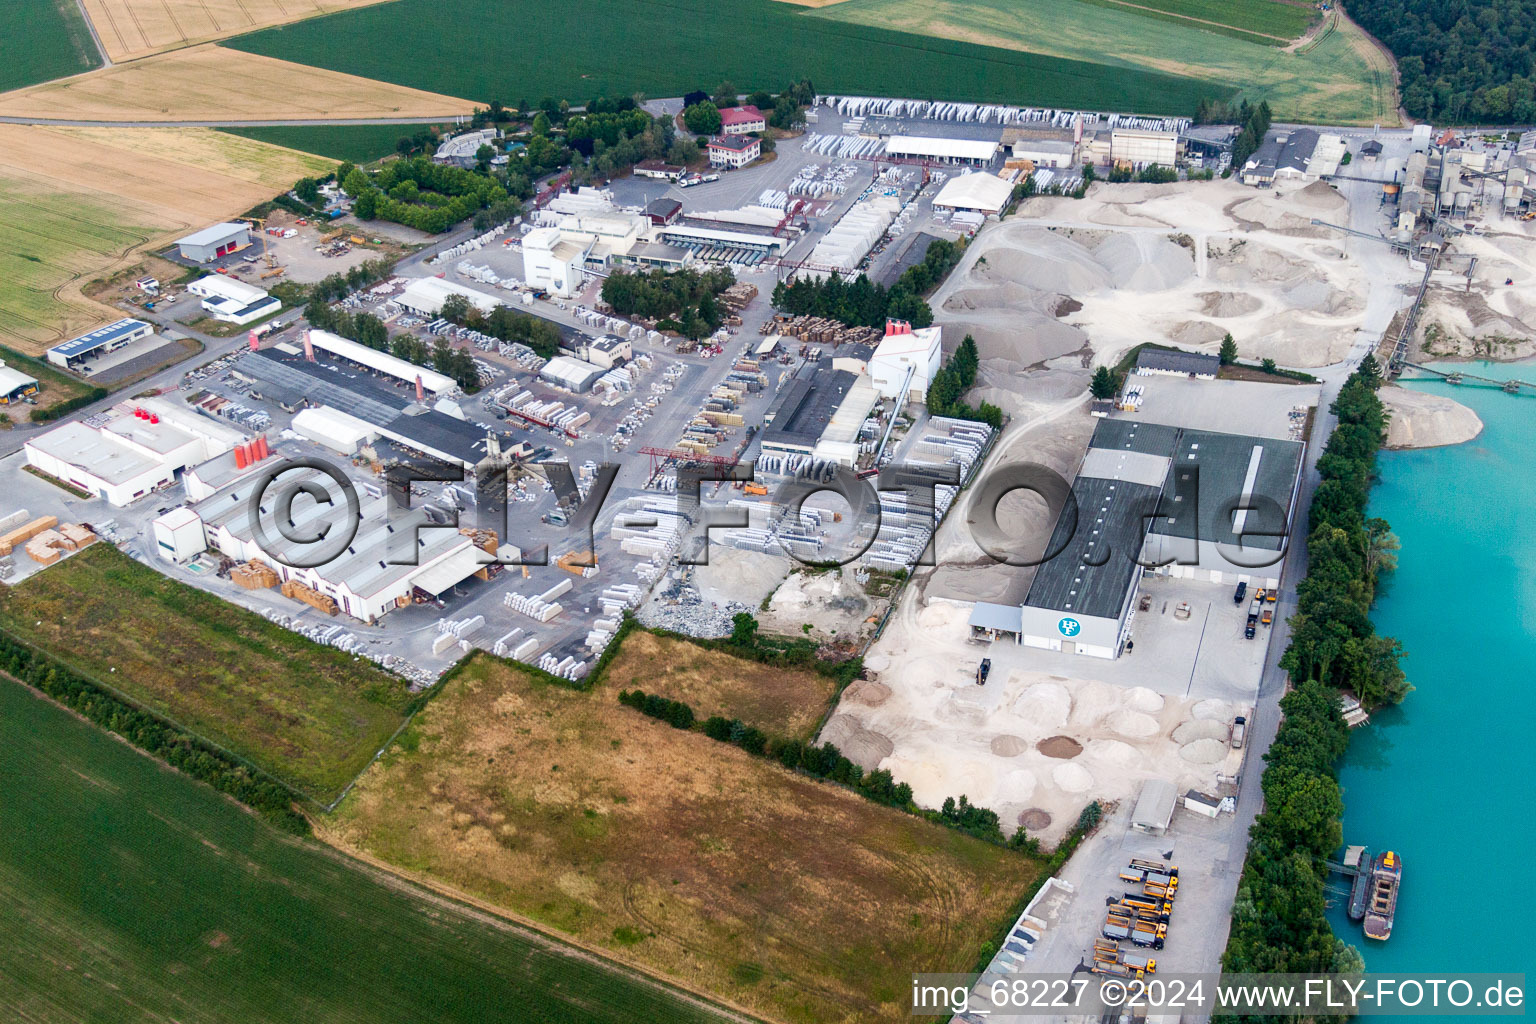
(312, 716)
(1269, 22)
(359, 143)
(43, 40)
(527, 49)
(50, 237)
(134, 894)
(1341, 80)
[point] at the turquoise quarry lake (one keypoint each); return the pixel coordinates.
(1447, 778)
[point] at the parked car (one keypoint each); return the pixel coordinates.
(1242, 592)
(1239, 731)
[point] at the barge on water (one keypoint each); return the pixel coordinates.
(1386, 879)
(1358, 858)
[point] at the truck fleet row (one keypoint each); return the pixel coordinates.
(1138, 917)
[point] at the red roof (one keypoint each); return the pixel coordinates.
(741, 115)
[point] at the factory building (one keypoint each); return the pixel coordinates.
(986, 194)
(1236, 494)
(1043, 147)
(733, 152)
(818, 416)
(208, 477)
(282, 375)
(906, 361)
(391, 559)
(663, 211)
(572, 374)
(77, 353)
(707, 237)
(1294, 156)
(232, 301)
(425, 297)
(15, 385)
(432, 382)
(213, 242)
(139, 448)
(968, 152)
(1141, 147)
(341, 433)
(659, 170)
(742, 120)
(606, 352)
(1151, 361)
(560, 258)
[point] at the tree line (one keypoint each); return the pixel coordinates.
(150, 733)
(826, 761)
(946, 392)
(1255, 121)
(423, 195)
(701, 111)
(1332, 638)
(1465, 61)
(681, 300)
(1279, 921)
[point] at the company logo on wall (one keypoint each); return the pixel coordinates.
(1069, 626)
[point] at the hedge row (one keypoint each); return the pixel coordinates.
(151, 733)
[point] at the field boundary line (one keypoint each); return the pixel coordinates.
(1197, 21)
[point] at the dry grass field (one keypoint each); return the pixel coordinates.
(795, 898)
(130, 29)
(213, 83)
(780, 701)
(75, 203)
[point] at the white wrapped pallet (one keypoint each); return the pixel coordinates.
(563, 587)
(443, 642)
(526, 648)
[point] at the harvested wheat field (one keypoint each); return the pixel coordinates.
(780, 701)
(215, 84)
(795, 898)
(77, 202)
(130, 29)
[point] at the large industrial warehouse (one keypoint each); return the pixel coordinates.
(1135, 481)
(209, 244)
(975, 152)
(425, 297)
(76, 353)
(980, 193)
(139, 448)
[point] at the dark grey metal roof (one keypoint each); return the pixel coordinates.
(322, 383)
(1147, 438)
(1097, 548)
(912, 255)
(1220, 464)
(804, 408)
(1177, 362)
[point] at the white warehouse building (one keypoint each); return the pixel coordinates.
(949, 151)
(233, 301)
(140, 448)
(391, 366)
(425, 297)
(981, 193)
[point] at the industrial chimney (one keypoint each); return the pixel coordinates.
(421, 395)
(254, 342)
(309, 349)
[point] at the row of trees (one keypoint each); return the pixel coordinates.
(701, 112)
(504, 323)
(682, 300)
(825, 761)
(946, 392)
(149, 733)
(1332, 638)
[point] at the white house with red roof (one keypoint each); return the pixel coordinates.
(906, 361)
(742, 120)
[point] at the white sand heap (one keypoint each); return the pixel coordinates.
(1200, 729)
(1018, 785)
(1212, 708)
(1144, 699)
(1423, 420)
(1046, 705)
(1207, 751)
(1134, 724)
(1072, 778)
